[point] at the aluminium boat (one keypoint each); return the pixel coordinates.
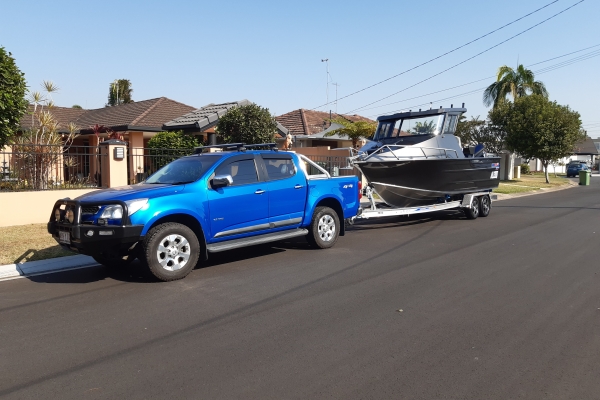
(414, 159)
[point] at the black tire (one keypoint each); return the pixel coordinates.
(324, 228)
(472, 212)
(485, 206)
(178, 255)
(114, 261)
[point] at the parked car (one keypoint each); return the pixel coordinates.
(206, 203)
(573, 169)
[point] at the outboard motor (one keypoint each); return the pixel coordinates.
(479, 151)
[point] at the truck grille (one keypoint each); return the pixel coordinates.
(89, 209)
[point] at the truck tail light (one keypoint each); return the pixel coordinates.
(359, 190)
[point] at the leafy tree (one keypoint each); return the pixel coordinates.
(77, 106)
(12, 96)
(480, 131)
(169, 146)
(515, 82)
(353, 130)
(119, 92)
(247, 124)
(539, 128)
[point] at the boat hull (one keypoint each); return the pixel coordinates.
(407, 183)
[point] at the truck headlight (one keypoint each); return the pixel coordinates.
(116, 211)
(134, 206)
(112, 212)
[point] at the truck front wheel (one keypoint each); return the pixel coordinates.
(170, 251)
(324, 228)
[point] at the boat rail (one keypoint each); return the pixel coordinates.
(392, 147)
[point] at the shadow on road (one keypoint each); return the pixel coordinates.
(137, 273)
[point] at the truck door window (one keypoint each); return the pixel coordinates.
(242, 172)
(280, 168)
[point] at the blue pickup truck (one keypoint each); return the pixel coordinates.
(205, 203)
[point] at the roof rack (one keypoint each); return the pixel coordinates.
(237, 146)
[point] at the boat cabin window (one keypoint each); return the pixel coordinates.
(422, 126)
(411, 127)
(450, 125)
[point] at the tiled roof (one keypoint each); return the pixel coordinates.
(63, 116)
(208, 116)
(586, 147)
(148, 115)
(308, 122)
(205, 117)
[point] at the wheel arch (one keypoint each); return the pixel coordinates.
(189, 221)
(336, 206)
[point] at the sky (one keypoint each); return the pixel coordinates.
(270, 52)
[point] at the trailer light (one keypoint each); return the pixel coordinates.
(89, 233)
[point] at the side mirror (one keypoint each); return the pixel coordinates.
(220, 181)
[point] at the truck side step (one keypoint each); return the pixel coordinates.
(251, 241)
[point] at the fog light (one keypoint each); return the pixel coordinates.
(89, 233)
(70, 216)
(105, 233)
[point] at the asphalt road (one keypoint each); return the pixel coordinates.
(501, 307)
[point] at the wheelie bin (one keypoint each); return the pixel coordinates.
(584, 177)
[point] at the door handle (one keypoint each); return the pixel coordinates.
(259, 191)
(298, 187)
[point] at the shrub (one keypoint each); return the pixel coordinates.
(525, 169)
(168, 146)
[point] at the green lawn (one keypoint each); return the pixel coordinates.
(28, 243)
(530, 183)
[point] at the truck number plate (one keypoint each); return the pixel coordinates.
(64, 237)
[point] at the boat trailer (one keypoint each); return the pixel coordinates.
(475, 205)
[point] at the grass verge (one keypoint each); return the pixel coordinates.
(531, 183)
(28, 243)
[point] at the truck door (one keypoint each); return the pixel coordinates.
(287, 190)
(241, 208)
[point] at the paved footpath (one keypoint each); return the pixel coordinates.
(501, 307)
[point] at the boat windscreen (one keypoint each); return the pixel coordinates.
(409, 127)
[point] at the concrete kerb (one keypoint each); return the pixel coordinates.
(40, 267)
(59, 264)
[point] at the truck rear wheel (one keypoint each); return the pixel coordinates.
(170, 251)
(324, 228)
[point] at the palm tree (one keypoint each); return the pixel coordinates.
(353, 130)
(120, 92)
(422, 128)
(515, 82)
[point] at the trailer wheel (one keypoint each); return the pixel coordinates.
(472, 212)
(485, 206)
(324, 228)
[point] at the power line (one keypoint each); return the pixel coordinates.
(440, 56)
(583, 57)
(468, 59)
(463, 94)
